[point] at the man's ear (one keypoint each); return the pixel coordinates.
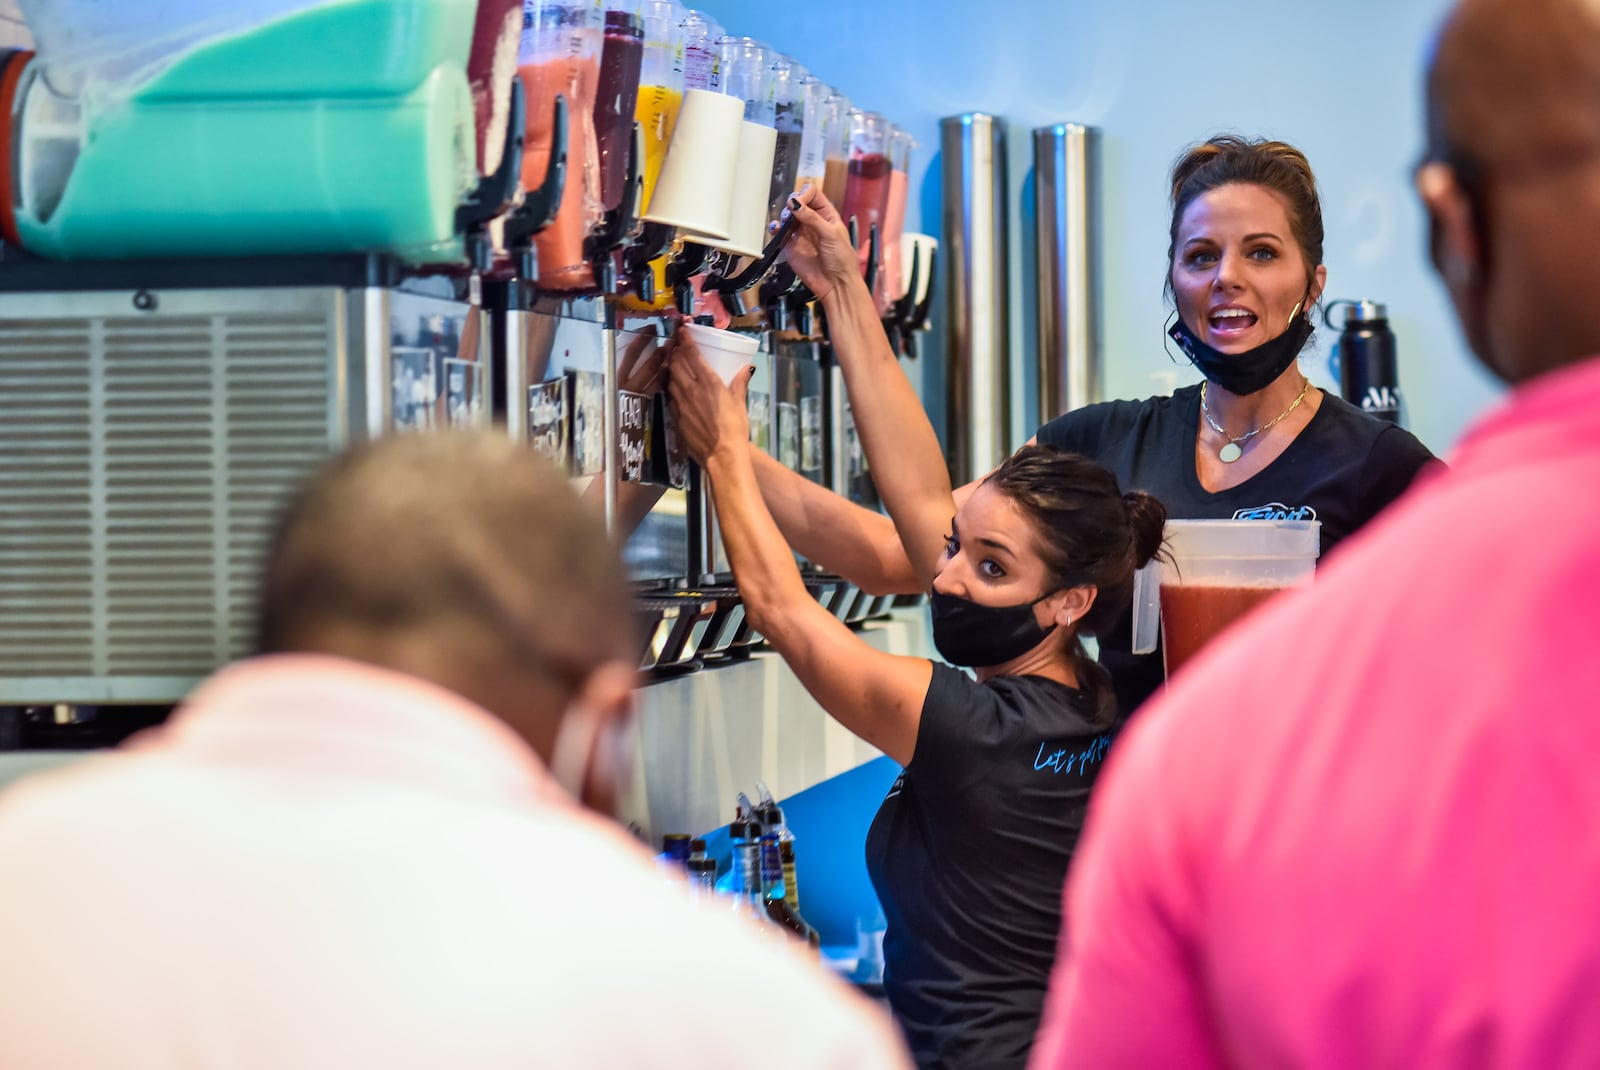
(1457, 252)
(608, 696)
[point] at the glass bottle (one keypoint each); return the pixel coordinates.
(676, 846)
(773, 892)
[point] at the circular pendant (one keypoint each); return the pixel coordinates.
(1230, 453)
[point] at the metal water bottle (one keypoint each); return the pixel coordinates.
(1368, 372)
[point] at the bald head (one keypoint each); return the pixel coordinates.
(1514, 192)
(458, 557)
(1516, 83)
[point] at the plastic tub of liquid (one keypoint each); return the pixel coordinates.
(1220, 570)
(274, 128)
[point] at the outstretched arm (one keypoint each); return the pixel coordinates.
(877, 696)
(859, 544)
(899, 442)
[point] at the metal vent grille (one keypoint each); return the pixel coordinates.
(143, 460)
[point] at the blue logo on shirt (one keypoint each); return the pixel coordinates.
(1065, 760)
(1277, 511)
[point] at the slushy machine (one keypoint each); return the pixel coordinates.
(245, 238)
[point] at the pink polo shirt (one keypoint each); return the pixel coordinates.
(323, 864)
(1364, 831)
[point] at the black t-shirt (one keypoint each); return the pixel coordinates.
(968, 854)
(1342, 469)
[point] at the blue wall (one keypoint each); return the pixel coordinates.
(830, 823)
(1343, 82)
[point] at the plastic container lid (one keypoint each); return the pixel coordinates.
(1262, 553)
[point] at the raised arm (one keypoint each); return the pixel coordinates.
(899, 442)
(859, 544)
(877, 696)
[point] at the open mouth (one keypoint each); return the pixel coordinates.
(1231, 321)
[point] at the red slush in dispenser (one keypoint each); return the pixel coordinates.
(866, 188)
(561, 41)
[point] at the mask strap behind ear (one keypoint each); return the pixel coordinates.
(574, 747)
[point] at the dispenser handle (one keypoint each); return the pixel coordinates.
(621, 220)
(757, 271)
(919, 321)
(906, 305)
(495, 192)
(538, 209)
(680, 269)
(872, 257)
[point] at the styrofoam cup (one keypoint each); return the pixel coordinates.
(696, 187)
(726, 351)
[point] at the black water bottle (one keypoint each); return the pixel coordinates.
(1368, 372)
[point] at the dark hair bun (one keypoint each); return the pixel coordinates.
(1148, 518)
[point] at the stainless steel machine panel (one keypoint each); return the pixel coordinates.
(147, 443)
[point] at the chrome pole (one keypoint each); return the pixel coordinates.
(1066, 203)
(609, 422)
(978, 353)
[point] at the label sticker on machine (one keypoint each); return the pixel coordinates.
(677, 456)
(414, 379)
(465, 396)
(810, 433)
(588, 422)
(550, 422)
(634, 417)
(759, 408)
(789, 435)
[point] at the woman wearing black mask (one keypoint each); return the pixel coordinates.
(970, 848)
(1255, 440)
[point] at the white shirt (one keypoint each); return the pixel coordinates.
(323, 864)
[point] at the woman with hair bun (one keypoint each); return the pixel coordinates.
(970, 847)
(1254, 440)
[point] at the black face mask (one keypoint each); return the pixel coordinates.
(1250, 371)
(966, 633)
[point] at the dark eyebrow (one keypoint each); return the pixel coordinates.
(1206, 240)
(991, 543)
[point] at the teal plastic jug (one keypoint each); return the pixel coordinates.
(272, 128)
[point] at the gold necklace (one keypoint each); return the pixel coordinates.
(1234, 448)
